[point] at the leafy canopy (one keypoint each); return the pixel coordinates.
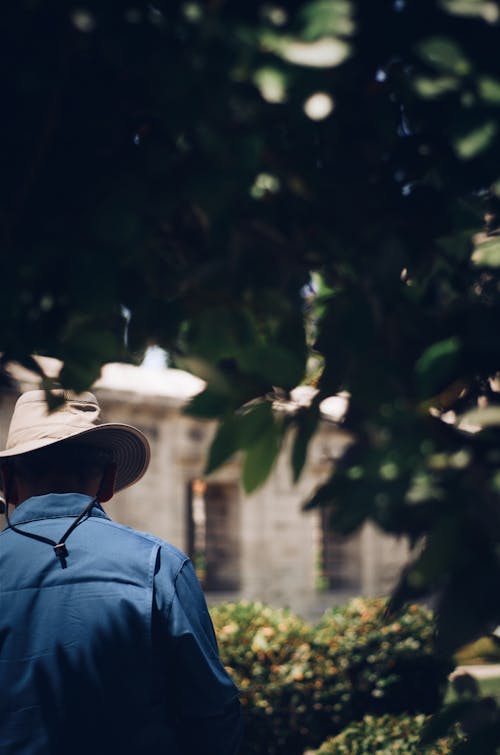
(278, 192)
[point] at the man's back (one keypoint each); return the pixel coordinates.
(109, 651)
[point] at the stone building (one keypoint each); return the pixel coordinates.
(257, 547)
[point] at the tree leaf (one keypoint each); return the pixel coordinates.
(278, 366)
(209, 405)
(224, 445)
(261, 456)
(489, 416)
(253, 421)
(326, 17)
(475, 141)
(306, 424)
(489, 89)
(431, 88)
(436, 368)
(487, 254)
(444, 54)
(483, 8)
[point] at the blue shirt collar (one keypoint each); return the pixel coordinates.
(53, 505)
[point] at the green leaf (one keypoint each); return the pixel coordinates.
(224, 445)
(476, 140)
(306, 424)
(276, 365)
(260, 457)
(326, 52)
(480, 8)
(205, 370)
(253, 422)
(444, 54)
(209, 405)
(441, 549)
(489, 89)
(219, 333)
(326, 17)
(322, 496)
(436, 367)
(432, 88)
(487, 254)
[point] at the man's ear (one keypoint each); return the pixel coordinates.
(9, 484)
(107, 487)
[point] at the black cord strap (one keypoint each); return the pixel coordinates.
(59, 547)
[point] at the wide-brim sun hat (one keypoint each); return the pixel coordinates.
(33, 427)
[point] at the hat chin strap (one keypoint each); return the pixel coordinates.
(59, 547)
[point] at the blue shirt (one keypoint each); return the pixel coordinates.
(115, 653)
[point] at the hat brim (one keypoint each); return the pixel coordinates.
(129, 446)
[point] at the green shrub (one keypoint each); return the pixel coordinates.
(301, 684)
(387, 735)
(391, 664)
(261, 647)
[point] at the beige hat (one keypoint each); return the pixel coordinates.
(33, 426)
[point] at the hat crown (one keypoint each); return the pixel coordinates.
(33, 421)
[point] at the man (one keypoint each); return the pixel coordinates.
(106, 645)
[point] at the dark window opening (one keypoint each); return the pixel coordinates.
(339, 562)
(214, 534)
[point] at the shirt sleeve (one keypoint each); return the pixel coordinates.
(205, 697)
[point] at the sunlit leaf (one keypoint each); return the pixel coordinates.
(272, 84)
(489, 416)
(444, 54)
(487, 254)
(431, 88)
(475, 141)
(485, 9)
(489, 89)
(326, 17)
(326, 52)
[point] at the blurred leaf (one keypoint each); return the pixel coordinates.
(431, 88)
(260, 457)
(483, 8)
(305, 424)
(475, 141)
(444, 54)
(489, 416)
(436, 368)
(224, 445)
(487, 254)
(326, 18)
(440, 723)
(326, 52)
(322, 496)
(219, 333)
(204, 369)
(278, 366)
(272, 84)
(440, 551)
(489, 89)
(208, 405)
(253, 421)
